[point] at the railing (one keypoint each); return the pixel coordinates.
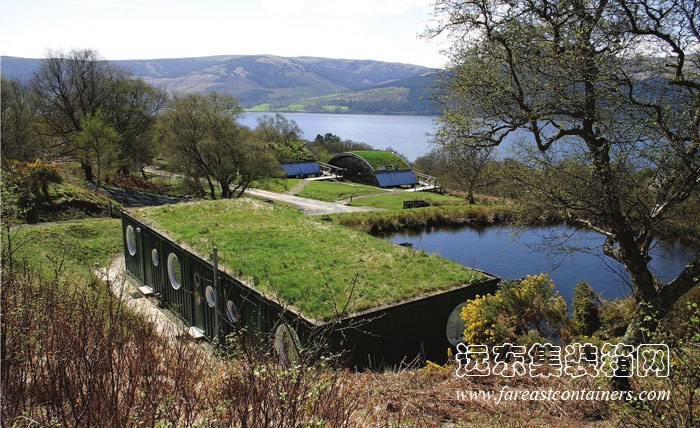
(425, 180)
(328, 169)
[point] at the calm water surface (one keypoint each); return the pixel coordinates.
(501, 251)
(408, 135)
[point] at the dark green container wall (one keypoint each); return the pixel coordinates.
(400, 333)
(133, 263)
(254, 312)
(154, 274)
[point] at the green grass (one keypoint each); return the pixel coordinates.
(82, 242)
(378, 159)
(334, 191)
(301, 108)
(394, 201)
(276, 184)
(278, 248)
(259, 107)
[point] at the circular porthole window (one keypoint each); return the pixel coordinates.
(131, 240)
(286, 344)
(154, 257)
(231, 311)
(210, 295)
(174, 271)
(455, 325)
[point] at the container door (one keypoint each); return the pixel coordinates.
(146, 245)
(199, 302)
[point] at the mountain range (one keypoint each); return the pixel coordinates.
(273, 83)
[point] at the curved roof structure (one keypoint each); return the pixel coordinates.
(380, 160)
(384, 168)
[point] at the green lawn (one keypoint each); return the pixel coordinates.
(309, 262)
(394, 201)
(334, 191)
(259, 107)
(83, 243)
(276, 184)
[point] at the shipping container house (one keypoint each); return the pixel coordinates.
(183, 281)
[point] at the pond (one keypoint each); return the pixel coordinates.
(509, 252)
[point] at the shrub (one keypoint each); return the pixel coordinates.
(585, 319)
(520, 307)
(615, 316)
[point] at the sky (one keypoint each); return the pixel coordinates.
(384, 30)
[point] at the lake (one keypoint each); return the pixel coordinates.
(497, 250)
(408, 135)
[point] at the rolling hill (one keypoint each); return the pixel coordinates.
(272, 83)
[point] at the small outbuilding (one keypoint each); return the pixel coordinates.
(376, 168)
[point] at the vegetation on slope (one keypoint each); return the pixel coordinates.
(382, 159)
(77, 245)
(310, 264)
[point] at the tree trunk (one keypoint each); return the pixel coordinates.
(87, 170)
(211, 188)
(470, 197)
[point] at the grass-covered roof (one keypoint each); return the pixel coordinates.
(293, 151)
(382, 159)
(309, 263)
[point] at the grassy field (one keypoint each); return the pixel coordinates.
(394, 201)
(276, 184)
(334, 191)
(310, 263)
(84, 243)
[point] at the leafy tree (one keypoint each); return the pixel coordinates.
(277, 129)
(200, 137)
(96, 145)
(612, 85)
(132, 108)
(19, 134)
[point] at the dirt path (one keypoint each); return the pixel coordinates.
(297, 187)
(126, 289)
(310, 206)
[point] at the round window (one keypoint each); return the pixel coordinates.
(455, 325)
(231, 311)
(286, 344)
(210, 295)
(154, 257)
(131, 240)
(174, 271)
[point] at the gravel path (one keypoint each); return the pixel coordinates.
(126, 288)
(310, 206)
